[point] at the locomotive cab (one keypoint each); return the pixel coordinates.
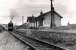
(10, 26)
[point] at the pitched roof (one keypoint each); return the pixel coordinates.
(40, 17)
(49, 12)
(30, 19)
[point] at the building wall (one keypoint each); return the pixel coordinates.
(57, 20)
(32, 24)
(47, 20)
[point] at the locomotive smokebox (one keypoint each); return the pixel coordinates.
(10, 26)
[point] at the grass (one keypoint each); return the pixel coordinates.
(67, 39)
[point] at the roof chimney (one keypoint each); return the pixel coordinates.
(41, 12)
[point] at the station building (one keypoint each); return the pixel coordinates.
(49, 19)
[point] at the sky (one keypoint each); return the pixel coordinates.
(19, 8)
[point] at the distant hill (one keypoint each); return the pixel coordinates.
(23, 26)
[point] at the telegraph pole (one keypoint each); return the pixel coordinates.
(52, 25)
(22, 19)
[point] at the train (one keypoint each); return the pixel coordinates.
(10, 26)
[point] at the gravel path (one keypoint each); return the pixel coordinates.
(8, 42)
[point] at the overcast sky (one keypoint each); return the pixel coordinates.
(66, 8)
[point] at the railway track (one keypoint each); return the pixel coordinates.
(34, 43)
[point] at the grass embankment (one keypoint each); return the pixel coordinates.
(67, 39)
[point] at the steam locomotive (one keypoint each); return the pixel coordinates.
(10, 26)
